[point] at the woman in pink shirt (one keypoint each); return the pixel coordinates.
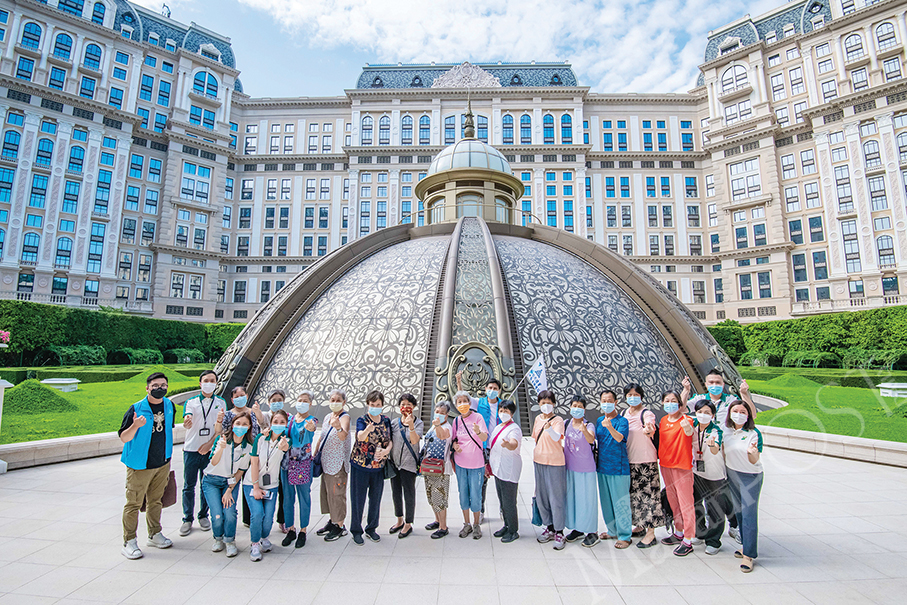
(645, 484)
(469, 432)
(550, 471)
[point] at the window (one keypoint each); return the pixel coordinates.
(163, 94)
(507, 122)
(777, 84)
(31, 36)
(851, 246)
(860, 79)
(796, 81)
(92, 58)
(548, 128)
(525, 129)
(871, 154)
(406, 130)
(792, 198)
(877, 193)
(693, 216)
(746, 286)
(45, 152)
(759, 237)
(826, 66)
(820, 267)
(151, 199)
(885, 36)
(829, 90)
(367, 124)
(808, 161)
(625, 186)
(733, 78)
(892, 68)
(25, 68)
(745, 179)
(425, 130)
(881, 223)
(765, 284)
(63, 47)
(845, 196)
(566, 129)
(735, 113)
(97, 13)
(853, 47)
(788, 169)
(96, 247)
(742, 238)
(38, 196)
(795, 228)
(885, 246)
(384, 131)
(205, 83)
(856, 288)
(774, 60)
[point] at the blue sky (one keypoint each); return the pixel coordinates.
(317, 48)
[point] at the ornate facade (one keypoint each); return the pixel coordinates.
(136, 173)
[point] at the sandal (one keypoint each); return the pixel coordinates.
(738, 554)
(747, 565)
(604, 536)
(622, 544)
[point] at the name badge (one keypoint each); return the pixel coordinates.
(265, 479)
(204, 432)
(700, 466)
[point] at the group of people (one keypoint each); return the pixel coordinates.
(706, 448)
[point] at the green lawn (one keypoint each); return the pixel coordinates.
(847, 411)
(101, 409)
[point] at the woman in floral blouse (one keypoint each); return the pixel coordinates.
(370, 451)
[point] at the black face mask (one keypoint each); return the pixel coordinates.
(159, 392)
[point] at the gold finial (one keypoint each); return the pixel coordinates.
(469, 131)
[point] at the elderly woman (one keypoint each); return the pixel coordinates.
(469, 432)
(550, 471)
(335, 447)
(407, 432)
(373, 445)
(296, 472)
(437, 469)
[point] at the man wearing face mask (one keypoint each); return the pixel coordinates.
(147, 436)
(716, 393)
(200, 421)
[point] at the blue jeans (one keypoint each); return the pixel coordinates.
(262, 512)
(469, 484)
(744, 489)
(193, 465)
(223, 520)
(290, 494)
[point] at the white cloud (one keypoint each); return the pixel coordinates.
(613, 45)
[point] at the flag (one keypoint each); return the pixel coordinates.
(537, 376)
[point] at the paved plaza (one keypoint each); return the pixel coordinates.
(831, 531)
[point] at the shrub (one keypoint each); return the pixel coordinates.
(172, 375)
(32, 397)
(183, 356)
(761, 358)
(79, 355)
(135, 356)
(219, 337)
(729, 335)
(811, 359)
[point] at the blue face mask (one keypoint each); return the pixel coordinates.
(278, 429)
(492, 394)
(634, 400)
(374, 411)
(608, 407)
(239, 402)
(441, 417)
(577, 412)
(303, 406)
(240, 431)
(276, 406)
(716, 390)
(671, 406)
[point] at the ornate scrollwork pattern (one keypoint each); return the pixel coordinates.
(592, 334)
(473, 318)
(367, 331)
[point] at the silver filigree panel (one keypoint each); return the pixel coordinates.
(592, 334)
(367, 331)
(473, 318)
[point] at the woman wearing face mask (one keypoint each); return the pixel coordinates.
(550, 471)
(675, 455)
(506, 464)
(645, 483)
(229, 461)
(370, 451)
(709, 473)
(407, 432)
(335, 448)
(260, 485)
(240, 406)
(742, 453)
(469, 432)
(298, 486)
(437, 469)
(581, 513)
(276, 402)
(611, 432)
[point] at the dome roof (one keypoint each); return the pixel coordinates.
(470, 153)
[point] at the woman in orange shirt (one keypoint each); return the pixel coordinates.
(675, 456)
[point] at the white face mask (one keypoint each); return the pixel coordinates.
(739, 417)
(546, 408)
(208, 387)
(704, 419)
(505, 417)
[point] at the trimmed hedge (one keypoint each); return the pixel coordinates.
(135, 356)
(32, 397)
(729, 335)
(183, 356)
(221, 336)
(811, 359)
(860, 379)
(80, 355)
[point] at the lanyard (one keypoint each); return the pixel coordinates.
(270, 453)
(233, 459)
(205, 412)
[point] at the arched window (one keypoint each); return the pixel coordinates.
(64, 252)
(548, 128)
(734, 77)
(871, 154)
(886, 36)
(566, 128)
(902, 146)
(76, 159)
(885, 246)
(30, 245)
(73, 7)
(853, 47)
(97, 14)
(45, 152)
(468, 204)
(205, 83)
(11, 144)
(92, 57)
(384, 130)
(31, 36)
(406, 130)
(63, 47)
(424, 130)
(482, 128)
(450, 130)
(508, 129)
(525, 129)
(367, 123)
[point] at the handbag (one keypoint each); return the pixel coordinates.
(390, 469)
(168, 499)
(536, 515)
(433, 455)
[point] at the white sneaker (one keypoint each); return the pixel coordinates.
(265, 545)
(735, 534)
(712, 550)
(232, 551)
(158, 540)
(218, 545)
(696, 541)
(256, 552)
(186, 528)
(204, 524)
(131, 550)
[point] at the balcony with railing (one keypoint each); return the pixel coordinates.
(76, 300)
(848, 304)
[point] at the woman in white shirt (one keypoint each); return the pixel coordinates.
(262, 482)
(506, 465)
(221, 483)
(742, 455)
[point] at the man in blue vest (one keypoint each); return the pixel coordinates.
(147, 435)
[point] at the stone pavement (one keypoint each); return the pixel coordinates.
(831, 531)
